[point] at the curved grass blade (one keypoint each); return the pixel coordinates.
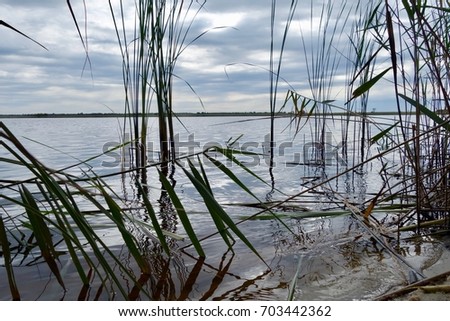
(68, 234)
(383, 133)
(79, 161)
(57, 194)
(435, 117)
(230, 174)
(99, 248)
(182, 214)
(218, 212)
(229, 153)
(221, 228)
(65, 209)
(236, 180)
(204, 177)
(8, 263)
(41, 233)
(84, 40)
(7, 25)
(369, 84)
(126, 235)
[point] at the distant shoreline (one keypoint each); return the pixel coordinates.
(199, 114)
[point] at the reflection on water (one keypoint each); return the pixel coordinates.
(339, 259)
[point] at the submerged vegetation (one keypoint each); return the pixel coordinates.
(53, 216)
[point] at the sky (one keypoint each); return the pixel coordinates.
(227, 68)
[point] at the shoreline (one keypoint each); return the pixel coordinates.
(198, 114)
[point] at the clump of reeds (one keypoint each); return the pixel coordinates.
(416, 37)
(50, 198)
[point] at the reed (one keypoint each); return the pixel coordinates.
(399, 30)
(416, 37)
(150, 49)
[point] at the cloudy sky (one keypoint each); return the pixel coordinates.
(227, 67)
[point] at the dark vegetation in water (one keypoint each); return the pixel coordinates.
(50, 218)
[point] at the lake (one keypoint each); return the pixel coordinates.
(330, 257)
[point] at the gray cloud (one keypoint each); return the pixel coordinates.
(227, 67)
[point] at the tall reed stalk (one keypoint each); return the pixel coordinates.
(150, 50)
(418, 37)
(275, 64)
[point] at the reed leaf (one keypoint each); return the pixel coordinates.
(238, 182)
(369, 84)
(408, 9)
(6, 252)
(7, 25)
(206, 192)
(42, 233)
(95, 242)
(229, 153)
(383, 133)
(424, 110)
(204, 176)
(128, 238)
(182, 214)
(230, 174)
(218, 214)
(71, 240)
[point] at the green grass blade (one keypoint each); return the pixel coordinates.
(216, 210)
(4, 245)
(424, 110)
(126, 235)
(230, 174)
(369, 84)
(67, 232)
(229, 153)
(221, 228)
(7, 25)
(408, 9)
(41, 233)
(98, 247)
(204, 175)
(63, 204)
(382, 134)
(182, 214)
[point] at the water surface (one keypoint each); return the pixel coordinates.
(334, 258)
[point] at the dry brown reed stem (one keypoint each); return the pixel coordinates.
(411, 287)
